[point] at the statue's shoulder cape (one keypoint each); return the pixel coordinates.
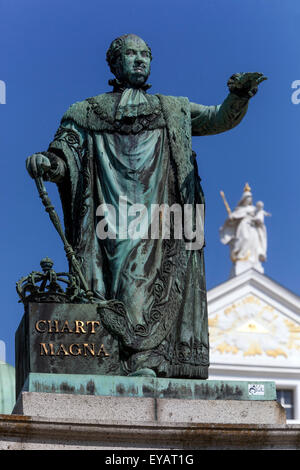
(97, 114)
(90, 112)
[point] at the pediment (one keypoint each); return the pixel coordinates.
(254, 320)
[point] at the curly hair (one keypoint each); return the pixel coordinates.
(115, 50)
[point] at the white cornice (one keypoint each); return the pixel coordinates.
(259, 370)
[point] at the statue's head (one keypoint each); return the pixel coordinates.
(246, 197)
(248, 200)
(129, 59)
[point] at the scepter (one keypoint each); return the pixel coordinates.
(225, 202)
(56, 222)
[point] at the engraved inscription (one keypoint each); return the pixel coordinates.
(78, 327)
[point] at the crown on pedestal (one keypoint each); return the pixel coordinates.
(50, 286)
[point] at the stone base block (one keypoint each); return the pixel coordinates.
(33, 433)
(140, 410)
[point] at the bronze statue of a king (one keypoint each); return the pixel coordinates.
(123, 153)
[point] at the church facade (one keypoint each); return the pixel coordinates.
(254, 322)
(254, 326)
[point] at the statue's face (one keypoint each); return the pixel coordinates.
(134, 62)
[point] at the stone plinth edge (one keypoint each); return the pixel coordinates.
(26, 433)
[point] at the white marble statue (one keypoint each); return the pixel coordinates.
(245, 232)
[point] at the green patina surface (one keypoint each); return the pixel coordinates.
(143, 387)
(151, 292)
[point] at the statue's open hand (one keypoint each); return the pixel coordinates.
(37, 165)
(245, 84)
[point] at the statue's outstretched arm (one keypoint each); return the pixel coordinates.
(209, 120)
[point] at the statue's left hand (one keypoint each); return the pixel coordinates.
(245, 84)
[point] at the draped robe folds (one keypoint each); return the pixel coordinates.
(151, 292)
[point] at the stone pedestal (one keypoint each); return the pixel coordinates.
(58, 408)
(104, 412)
(73, 421)
(142, 410)
(148, 399)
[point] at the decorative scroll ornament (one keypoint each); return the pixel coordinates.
(47, 286)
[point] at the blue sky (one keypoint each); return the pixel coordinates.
(53, 54)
